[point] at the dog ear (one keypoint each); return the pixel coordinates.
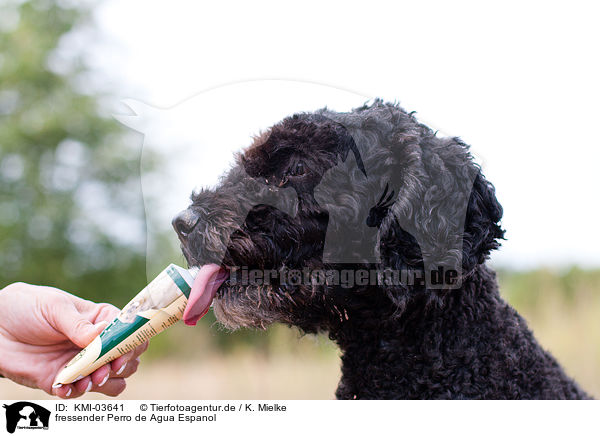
(445, 219)
(482, 229)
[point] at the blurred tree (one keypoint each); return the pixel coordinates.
(71, 208)
(71, 211)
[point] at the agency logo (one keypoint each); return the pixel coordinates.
(370, 191)
(27, 416)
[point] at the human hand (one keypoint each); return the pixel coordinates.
(42, 328)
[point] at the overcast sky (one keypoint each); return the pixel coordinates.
(518, 82)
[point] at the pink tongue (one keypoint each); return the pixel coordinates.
(205, 286)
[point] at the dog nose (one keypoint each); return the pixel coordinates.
(185, 222)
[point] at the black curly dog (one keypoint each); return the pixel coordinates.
(372, 189)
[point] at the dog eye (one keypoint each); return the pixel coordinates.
(299, 169)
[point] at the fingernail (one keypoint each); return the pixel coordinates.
(121, 368)
(68, 394)
(89, 386)
(104, 381)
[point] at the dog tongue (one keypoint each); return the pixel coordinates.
(205, 286)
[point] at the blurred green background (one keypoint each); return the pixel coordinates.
(70, 185)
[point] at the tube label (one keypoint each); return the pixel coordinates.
(158, 306)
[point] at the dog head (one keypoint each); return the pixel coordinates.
(330, 194)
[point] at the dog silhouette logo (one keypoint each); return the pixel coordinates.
(26, 415)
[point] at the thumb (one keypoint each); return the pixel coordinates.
(75, 326)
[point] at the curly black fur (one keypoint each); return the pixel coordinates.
(426, 202)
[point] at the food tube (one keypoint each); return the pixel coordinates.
(157, 307)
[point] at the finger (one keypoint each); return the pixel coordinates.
(103, 312)
(130, 368)
(82, 386)
(96, 312)
(74, 325)
(140, 350)
(98, 379)
(64, 391)
(101, 375)
(74, 390)
(118, 365)
(112, 388)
